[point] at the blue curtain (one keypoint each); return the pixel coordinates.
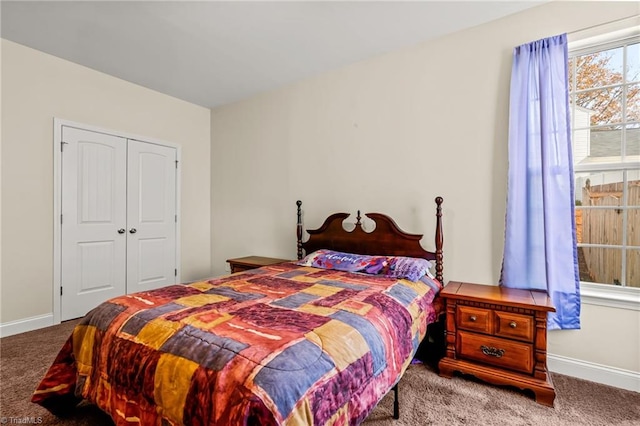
(540, 241)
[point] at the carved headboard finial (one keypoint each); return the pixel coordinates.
(358, 223)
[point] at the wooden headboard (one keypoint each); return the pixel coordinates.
(386, 239)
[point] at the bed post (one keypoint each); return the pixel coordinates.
(299, 229)
(396, 403)
(439, 240)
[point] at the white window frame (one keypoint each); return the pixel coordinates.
(593, 293)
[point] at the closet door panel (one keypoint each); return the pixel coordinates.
(93, 242)
(151, 216)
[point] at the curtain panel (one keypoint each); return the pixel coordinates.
(540, 241)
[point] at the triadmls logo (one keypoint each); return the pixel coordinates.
(26, 420)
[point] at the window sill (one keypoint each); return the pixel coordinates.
(610, 296)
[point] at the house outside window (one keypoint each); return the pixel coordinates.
(604, 83)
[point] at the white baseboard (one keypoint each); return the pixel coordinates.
(612, 376)
(26, 324)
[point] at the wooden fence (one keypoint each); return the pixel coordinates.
(605, 226)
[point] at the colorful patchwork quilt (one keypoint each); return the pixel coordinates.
(279, 345)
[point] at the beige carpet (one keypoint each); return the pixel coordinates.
(425, 397)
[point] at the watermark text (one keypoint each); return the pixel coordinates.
(25, 420)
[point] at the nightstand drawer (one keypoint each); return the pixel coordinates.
(499, 352)
(475, 319)
(241, 268)
(514, 326)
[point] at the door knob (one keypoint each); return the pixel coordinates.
(133, 230)
(121, 231)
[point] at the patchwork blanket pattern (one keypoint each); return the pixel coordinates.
(283, 344)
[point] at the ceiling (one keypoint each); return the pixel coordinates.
(215, 52)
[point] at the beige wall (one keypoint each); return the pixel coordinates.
(1, 62)
(608, 336)
(36, 88)
(389, 134)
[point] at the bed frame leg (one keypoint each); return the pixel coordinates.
(396, 403)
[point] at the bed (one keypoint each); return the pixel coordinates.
(316, 341)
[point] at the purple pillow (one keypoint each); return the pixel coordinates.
(329, 259)
(410, 268)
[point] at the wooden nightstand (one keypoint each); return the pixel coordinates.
(499, 335)
(252, 262)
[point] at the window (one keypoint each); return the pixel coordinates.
(604, 79)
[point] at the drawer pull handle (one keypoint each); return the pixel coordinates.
(472, 318)
(491, 351)
(512, 324)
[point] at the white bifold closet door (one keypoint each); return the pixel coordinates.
(118, 230)
(151, 216)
